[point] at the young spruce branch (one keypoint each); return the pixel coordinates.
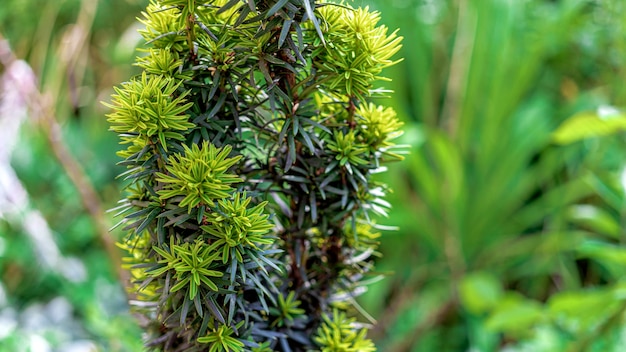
(250, 142)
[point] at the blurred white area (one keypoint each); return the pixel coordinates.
(39, 323)
(18, 85)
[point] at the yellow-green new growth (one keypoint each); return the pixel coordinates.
(263, 347)
(164, 29)
(149, 107)
(378, 125)
(364, 238)
(347, 148)
(337, 334)
(235, 226)
(190, 263)
(200, 175)
(357, 51)
(288, 309)
(222, 340)
(162, 62)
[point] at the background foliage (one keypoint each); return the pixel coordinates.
(510, 210)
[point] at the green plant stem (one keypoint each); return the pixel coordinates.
(459, 69)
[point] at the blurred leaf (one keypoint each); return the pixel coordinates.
(588, 125)
(610, 256)
(515, 315)
(611, 192)
(581, 310)
(480, 292)
(596, 219)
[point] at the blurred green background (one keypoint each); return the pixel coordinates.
(511, 204)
